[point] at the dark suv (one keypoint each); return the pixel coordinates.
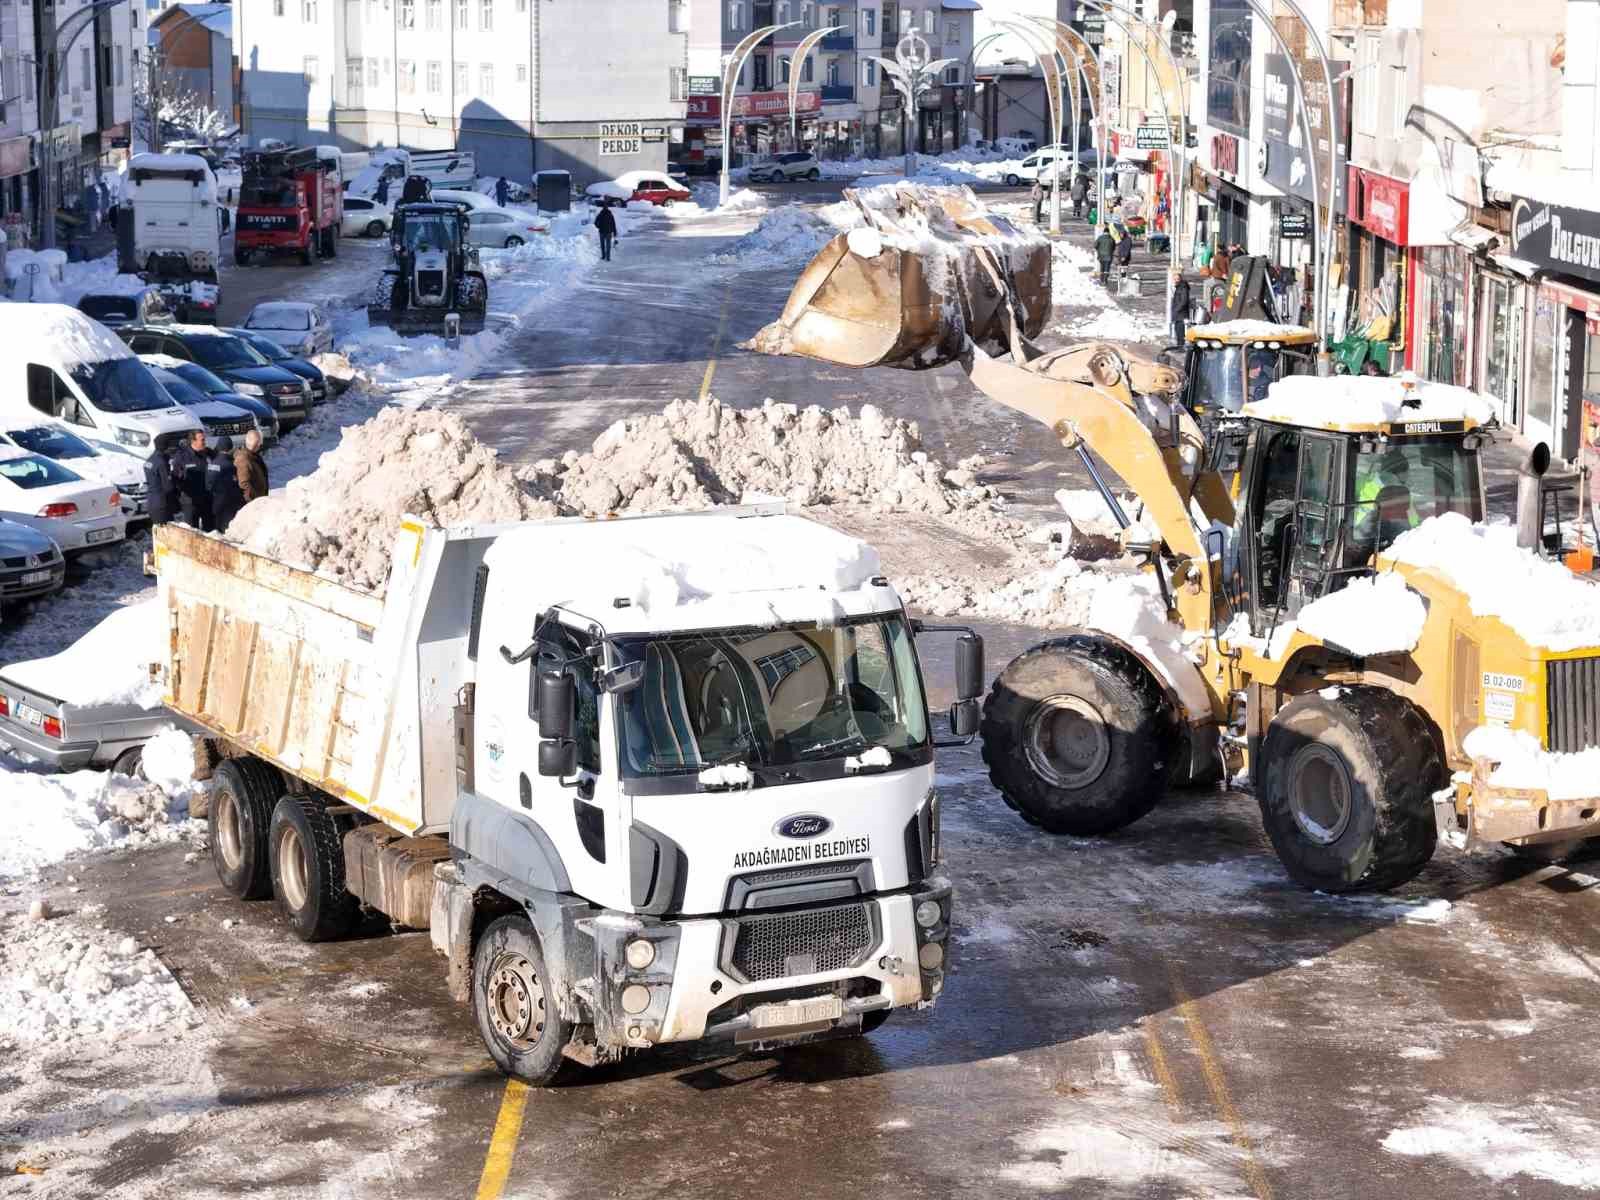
(279, 357)
(235, 360)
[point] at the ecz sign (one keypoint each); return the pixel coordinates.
(620, 137)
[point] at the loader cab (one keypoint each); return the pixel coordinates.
(1319, 504)
(1228, 366)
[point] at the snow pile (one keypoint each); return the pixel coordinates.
(1544, 603)
(696, 453)
(784, 235)
(340, 373)
(1380, 615)
(108, 665)
(342, 520)
(1348, 400)
(1521, 762)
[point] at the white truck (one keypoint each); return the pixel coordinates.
(169, 203)
(657, 779)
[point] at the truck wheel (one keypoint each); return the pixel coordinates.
(308, 870)
(514, 1002)
(375, 229)
(1077, 736)
(241, 813)
(1347, 788)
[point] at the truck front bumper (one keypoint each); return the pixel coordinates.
(1472, 813)
(705, 981)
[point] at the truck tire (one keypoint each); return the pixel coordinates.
(307, 856)
(245, 789)
(1077, 736)
(513, 1002)
(1347, 788)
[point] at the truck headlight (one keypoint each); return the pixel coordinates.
(640, 954)
(931, 956)
(635, 999)
(132, 437)
(928, 914)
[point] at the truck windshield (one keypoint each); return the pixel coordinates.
(1229, 378)
(775, 698)
(121, 385)
(1402, 483)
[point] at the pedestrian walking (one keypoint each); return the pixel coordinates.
(1104, 247)
(1124, 249)
(502, 191)
(249, 468)
(1179, 312)
(1039, 193)
(607, 225)
(382, 194)
(222, 486)
(1080, 193)
(189, 463)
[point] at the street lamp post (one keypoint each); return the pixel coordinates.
(796, 61)
(913, 73)
(48, 66)
(1051, 70)
(732, 64)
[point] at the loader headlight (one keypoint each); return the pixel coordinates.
(640, 954)
(928, 914)
(930, 956)
(635, 999)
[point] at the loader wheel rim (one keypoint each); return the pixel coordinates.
(1066, 742)
(292, 870)
(516, 1001)
(1320, 795)
(229, 841)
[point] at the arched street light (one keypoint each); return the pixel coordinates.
(796, 61)
(732, 64)
(1045, 57)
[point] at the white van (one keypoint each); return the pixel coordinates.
(173, 199)
(393, 165)
(446, 168)
(57, 362)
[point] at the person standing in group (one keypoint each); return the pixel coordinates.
(1124, 250)
(502, 191)
(189, 477)
(1179, 312)
(249, 468)
(1080, 193)
(222, 485)
(607, 225)
(1104, 247)
(161, 498)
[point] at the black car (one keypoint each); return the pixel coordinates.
(217, 388)
(220, 418)
(279, 357)
(232, 359)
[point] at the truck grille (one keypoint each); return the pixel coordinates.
(801, 943)
(430, 284)
(1572, 700)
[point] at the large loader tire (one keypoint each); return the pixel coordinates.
(1077, 736)
(243, 794)
(307, 854)
(513, 999)
(1347, 788)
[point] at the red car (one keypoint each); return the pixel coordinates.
(654, 187)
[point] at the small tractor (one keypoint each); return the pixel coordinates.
(435, 285)
(1302, 635)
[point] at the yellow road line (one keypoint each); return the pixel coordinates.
(503, 1143)
(1217, 1084)
(1159, 1064)
(716, 347)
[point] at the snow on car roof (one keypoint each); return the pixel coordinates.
(165, 361)
(266, 314)
(58, 333)
(1356, 403)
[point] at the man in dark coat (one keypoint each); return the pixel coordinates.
(382, 194)
(249, 469)
(1039, 194)
(1104, 247)
(160, 494)
(1124, 250)
(502, 191)
(607, 225)
(1179, 313)
(1080, 193)
(222, 483)
(189, 463)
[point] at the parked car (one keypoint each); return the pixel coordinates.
(502, 228)
(89, 457)
(233, 358)
(31, 564)
(300, 328)
(365, 217)
(781, 168)
(219, 389)
(220, 418)
(1045, 164)
(654, 187)
(470, 199)
(275, 354)
(74, 512)
(116, 309)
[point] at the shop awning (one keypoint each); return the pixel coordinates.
(1511, 264)
(1476, 238)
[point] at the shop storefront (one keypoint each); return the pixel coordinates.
(1444, 286)
(1231, 223)
(1377, 297)
(16, 197)
(1502, 310)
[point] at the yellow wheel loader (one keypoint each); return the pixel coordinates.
(1340, 627)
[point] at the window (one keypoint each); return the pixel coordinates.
(736, 14)
(952, 32)
(463, 18)
(522, 72)
(485, 79)
(485, 16)
(407, 78)
(869, 21)
(309, 67)
(952, 74)
(677, 17)
(806, 72)
(277, 8)
(678, 83)
(784, 63)
(352, 74)
(85, 67)
(372, 72)
(308, 11)
(119, 67)
(1366, 103)
(869, 73)
(407, 15)
(461, 79)
(763, 72)
(743, 67)
(49, 393)
(433, 15)
(782, 17)
(558, 647)
(833, 72)
(929, 22)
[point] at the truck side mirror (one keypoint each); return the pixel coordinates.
(558, 758)
(965, 717)
(969, 666)
(556, 697)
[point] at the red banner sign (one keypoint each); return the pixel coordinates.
(15, 156)
(1380, 204)
(1225, 153)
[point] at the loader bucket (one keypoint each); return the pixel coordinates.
(929, 269)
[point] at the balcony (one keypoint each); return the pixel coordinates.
(838, 41)
(838, 93)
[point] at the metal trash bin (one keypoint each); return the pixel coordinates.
(1132, 285)
(553, 190)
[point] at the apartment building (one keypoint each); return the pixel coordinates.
(528, 85)
(194, 43)
(88, 127)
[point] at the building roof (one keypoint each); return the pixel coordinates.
(218, 18)
(962, 5)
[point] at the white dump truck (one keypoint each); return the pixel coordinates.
(170, 226)
(658, 779)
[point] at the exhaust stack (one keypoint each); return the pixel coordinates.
(1530, 512)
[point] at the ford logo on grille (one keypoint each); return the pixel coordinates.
(802, 825)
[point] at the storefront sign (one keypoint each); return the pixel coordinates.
(1556, 238)
(1225, 153)
(1570, 297)
(66, 142)
(654, 133)
(16, 156)
(619, 137)
(1380, 204)
(704, 85)
(704, 109)
(1294, 224)
(1202, 182)
(1153, 137)
(1288, 167)
(774, 104)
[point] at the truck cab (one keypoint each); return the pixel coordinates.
(171, 217)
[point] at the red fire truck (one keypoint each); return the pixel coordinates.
(291, 202)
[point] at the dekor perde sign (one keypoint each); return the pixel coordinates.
(620, 137)
(1556, 238)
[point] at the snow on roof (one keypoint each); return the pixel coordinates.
(276, 310)
(700, 570)
(168, 162)
(1564, 190)
(1355, 402)
(1543, 603)
(1521, 762)
(1373, 616)
(1248, 329)
(56, 332)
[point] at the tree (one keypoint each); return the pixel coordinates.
(162, 101)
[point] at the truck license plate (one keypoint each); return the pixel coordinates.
(36, 577)
(796, 1012)
(100, 535)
